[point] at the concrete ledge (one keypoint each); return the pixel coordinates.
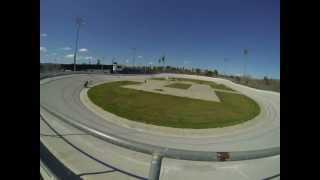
(241, 170)
(86, 155)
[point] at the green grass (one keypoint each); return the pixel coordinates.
(179, 85)
(173, 111)
(210, 83)
(158, 79)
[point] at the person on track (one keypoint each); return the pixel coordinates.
(86, 84)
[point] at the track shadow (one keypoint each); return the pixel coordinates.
(57, 168)
(114, 169)
(59, 136)
(102, 172)
(272, 177)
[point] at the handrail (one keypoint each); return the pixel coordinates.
(46, 173)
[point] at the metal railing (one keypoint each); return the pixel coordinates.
(158, 152)
(46, 173)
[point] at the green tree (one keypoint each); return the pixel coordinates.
(209, 73)
(163, 59)
(215, 72)
(266, 80)
(237, 78)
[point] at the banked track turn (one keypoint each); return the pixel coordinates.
(60, 96)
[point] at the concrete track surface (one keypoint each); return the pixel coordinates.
(92, 158)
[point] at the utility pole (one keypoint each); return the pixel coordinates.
(102, 64)
(134, 54)
(79, 22)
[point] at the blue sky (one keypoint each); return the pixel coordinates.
(198, 34)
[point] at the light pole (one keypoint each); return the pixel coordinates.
(102, 64)
(134, 54)
(79, 22)
(245, 52)
(225, 66)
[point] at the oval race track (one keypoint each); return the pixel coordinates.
(62, 95)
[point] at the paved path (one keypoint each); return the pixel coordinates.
(62, 96)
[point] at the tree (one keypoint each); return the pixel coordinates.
(163, 59)
(237, 78)
(209, 73)
(215, 72)
(198, 71)
(266, 80)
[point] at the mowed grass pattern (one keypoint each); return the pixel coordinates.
(173, 111)
(179, 85)
(210, 83)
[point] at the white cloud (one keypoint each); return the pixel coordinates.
(127, 60)
(83, 50)
(150, 63)
(66, 48)
(69, 56)
(140, 56)
(43, 49)
(43, 35)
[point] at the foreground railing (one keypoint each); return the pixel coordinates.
(158, 152)
(45, 172)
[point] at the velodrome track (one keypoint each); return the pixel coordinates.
(62, 95)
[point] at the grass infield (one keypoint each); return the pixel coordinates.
(179, 85)
(210, 83)
(173, 111)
